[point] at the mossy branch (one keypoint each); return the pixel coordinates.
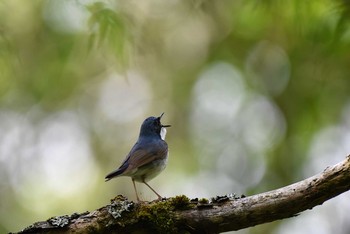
(225, 213)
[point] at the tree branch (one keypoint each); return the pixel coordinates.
(221, 214)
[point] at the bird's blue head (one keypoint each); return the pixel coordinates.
(152, 126)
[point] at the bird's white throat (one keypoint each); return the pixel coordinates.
(163, 133)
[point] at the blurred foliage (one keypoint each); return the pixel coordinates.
(77, 77)
(106, 24)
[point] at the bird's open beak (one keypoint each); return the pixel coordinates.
(164, 126)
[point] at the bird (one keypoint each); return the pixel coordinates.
(148, 157)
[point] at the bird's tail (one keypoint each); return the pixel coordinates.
(112, 175)
(117, 172)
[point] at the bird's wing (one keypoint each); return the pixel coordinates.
(140, 156)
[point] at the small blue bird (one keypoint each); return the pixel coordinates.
(148, 157)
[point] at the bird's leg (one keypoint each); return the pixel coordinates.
(137, 196)
(159, 197)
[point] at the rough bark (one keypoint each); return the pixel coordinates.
(223, 213)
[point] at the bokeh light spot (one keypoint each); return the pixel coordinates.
(263, 124)
(123, 99)
(269, 67)
(65, 155)
(65, 15)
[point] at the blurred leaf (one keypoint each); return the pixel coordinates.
(108, 28)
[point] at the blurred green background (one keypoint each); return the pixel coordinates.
(257, 93)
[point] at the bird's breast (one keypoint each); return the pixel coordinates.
(150, 170)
